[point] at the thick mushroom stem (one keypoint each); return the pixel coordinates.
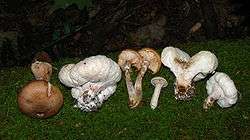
(159, 83)
(136, 98)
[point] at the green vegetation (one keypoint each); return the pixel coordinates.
(172, 119)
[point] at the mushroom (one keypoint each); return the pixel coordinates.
(158, 82)
(92, 76)
(220, 88)
(34, 99)
(188, 70)
(41, 70)
(126, 59)
(150, 60)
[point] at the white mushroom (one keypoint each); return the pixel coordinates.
(158, 82)
(92, 75)
(188, 70)
(220, 88)
(41, 70)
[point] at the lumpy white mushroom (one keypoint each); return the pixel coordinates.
(188, 70)
(158, 82)
(222, 89)
(92, 77)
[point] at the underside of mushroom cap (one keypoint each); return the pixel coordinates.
(131, 57)
(159, 80)
(152, 57)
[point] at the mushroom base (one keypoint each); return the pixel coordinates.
(184, 93)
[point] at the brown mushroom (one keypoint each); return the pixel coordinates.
(40, 99)
(126, 59)
(151, 60)
(41, 70)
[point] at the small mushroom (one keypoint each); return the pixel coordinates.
(150, 60)
(41, 70)
(158, 82)
(126, 60)
(40, 99)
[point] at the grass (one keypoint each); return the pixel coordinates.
(171, 120)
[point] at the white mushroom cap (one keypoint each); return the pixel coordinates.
(159, 80)
(131, 57)
(152, 57)
(64, 76)
(175, 59)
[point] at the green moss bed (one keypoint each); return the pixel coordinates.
(172, 119)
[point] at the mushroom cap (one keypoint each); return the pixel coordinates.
(130, 56)
(159, 80)
(41, 70)
(33, 100)
(152, 57)
(64, 76)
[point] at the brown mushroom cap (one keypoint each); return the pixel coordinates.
(130, 56)
(33, 100)
(152, 57)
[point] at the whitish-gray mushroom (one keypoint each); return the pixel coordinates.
(91, 77)
(222, 89)
(188, 70)
(158, 82)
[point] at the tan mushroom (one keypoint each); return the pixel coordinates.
(41, 70)
(40, 99)
(126, 59)
(150, 60)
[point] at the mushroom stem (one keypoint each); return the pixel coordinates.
(209, 101)
(129, 83)
(155, 97)
(138, 82)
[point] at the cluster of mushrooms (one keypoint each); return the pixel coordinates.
(39, 98)
(94, 79)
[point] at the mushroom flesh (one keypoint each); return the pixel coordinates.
(158, 82)
(222, 89)
(188, 70)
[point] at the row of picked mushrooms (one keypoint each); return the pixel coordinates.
(94, 79)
